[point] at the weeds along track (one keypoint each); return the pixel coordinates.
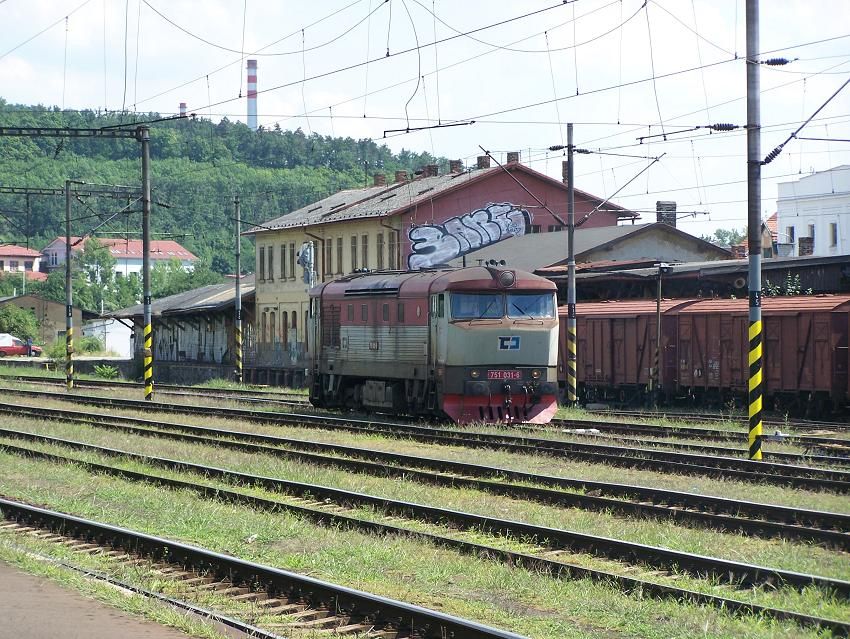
(661, 460)
(286, 602)
(543, 548)
(271, 396)
(749, 518)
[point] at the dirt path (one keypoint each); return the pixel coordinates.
(36, 608)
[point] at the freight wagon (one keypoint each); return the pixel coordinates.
(704, 351)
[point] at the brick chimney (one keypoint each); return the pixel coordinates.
(513, 156)
(401, 176)
(455, 166)
(665, 213)
(483, 161)
(431, 170)
(379, 179)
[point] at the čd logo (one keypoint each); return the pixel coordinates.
(509, 342)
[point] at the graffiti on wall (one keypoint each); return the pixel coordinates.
(433, 244)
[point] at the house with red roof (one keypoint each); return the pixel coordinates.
(127, 253)
(19, 259)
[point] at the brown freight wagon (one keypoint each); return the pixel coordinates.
(805, 349)
(704, 350)
(616, 347)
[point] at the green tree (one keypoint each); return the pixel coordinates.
(20, 322)
(727, 237)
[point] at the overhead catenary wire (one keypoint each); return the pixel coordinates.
(44, 30)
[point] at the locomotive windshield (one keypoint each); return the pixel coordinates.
(469, 306)
(533, 305)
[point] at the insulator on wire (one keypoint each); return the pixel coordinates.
(557, 147)
(582, 151)
(776, 62)
(772, 155)
(723, 126)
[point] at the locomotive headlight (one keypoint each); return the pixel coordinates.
(474, 374)
(535, 374)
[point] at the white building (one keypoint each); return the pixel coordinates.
(115, 335)
(813, 214)
(16, 259)
(127, 253)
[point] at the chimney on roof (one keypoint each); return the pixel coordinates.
(665, 213)
(379, 179)
(432, 170)
(739, 251)
(513, 156)
(401, 176)
(483, 161)
(455, 166)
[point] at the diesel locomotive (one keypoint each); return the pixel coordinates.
(477, 344)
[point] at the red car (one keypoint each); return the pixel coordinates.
(11, 345)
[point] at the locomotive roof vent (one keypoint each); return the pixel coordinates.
(507, 278)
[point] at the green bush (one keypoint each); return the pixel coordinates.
(19, 322)
(56, 350)
(106, 371)
(90, 344)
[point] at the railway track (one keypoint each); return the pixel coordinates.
(665, 461)
(293, 603)
(730, 417)
(546, 547)
(685, 508)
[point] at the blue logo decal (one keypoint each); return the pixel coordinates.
(509, 342)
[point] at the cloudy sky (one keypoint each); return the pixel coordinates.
(520, 70)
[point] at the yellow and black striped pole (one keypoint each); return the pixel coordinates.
(572, 350)
(237, 323)
(754, 163)
(69, 294)
(144, 136)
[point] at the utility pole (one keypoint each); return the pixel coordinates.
(69, 296)
(754, 229)
(144, 135)
(237, 326)
(572, 344)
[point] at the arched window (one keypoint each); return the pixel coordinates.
(284, 327)
(272, 327)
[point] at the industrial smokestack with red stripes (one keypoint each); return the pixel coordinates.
(252, 95)
(182, 109)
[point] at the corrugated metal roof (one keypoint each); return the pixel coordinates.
(780, 304)
(206, 298)
(376, 201)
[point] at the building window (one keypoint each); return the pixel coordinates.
(2, 265)
(270, 266)
(283, 261)
(812, 231)
(262, 265)
(54, 258)
(272, 327)
(329, 252)
(364, 312)
(833, 234)
(401, 313)
(28, 265)
(350, 313)
(385, 312)
(353, 253)
(339, 266)
(379, 247)
(790, 234)
(554, 228)
(292, 261)
(365, 247)
(13, 265)
(535, 228)
(392, 251)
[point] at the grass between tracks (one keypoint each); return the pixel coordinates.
(539, 464)
(392, 566)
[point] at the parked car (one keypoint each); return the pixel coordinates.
(11, 345)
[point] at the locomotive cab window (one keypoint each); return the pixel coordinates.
(385, 312)
(469, 306)
(530, 305)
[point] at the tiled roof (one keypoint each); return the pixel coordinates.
(129, 249)
(390, 199)
(771, 223)
(12, 250)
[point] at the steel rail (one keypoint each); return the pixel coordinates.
(381, 611)
(714, 417)
(664, 461)
(682, 507)
(738, 573)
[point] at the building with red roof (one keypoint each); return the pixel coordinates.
(17, 259)
(127, 253)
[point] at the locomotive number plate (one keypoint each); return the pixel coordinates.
(504, 375)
